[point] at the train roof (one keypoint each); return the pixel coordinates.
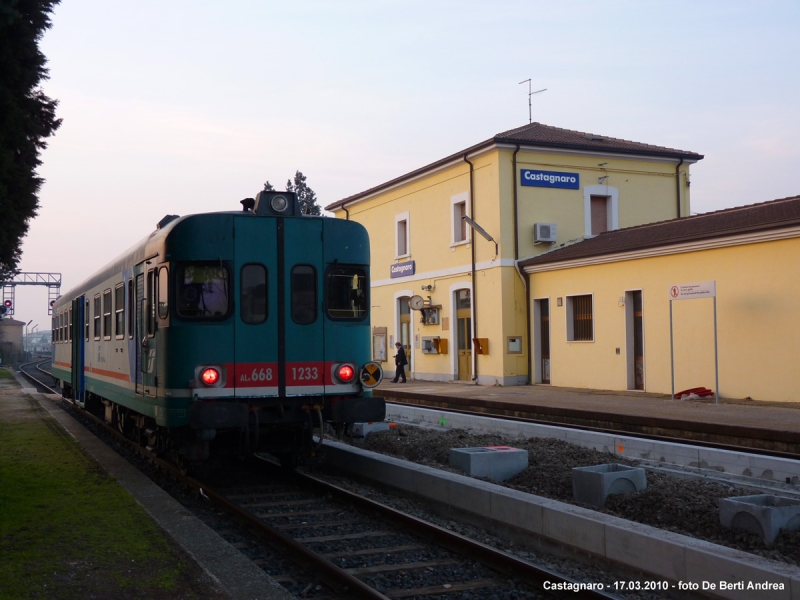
(145, 248)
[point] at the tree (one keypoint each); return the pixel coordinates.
(307, 197)
(27, 118)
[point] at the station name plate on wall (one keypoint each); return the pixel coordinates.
(550, 179)
(403, 269)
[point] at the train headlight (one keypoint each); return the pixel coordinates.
(279, 203)
(345, 373)
(210, 376)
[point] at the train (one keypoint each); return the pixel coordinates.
(226, 333)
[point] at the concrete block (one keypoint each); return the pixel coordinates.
(469, 495)
(591, 485)
(631, 447)
(723, 461)
(495, 462)
(517, 509)
(738, 578)
(635, 545)
(762, 514)
(675, 454)
(570, 525)
(363, 429)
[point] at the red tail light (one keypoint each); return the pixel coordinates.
(346, 373)
(210, 376)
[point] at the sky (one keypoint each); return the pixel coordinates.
(191, 105)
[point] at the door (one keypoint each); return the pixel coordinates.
(635, 322)
(544, 339)
(255, 293)
(303, 368)
(76, 327)
(464, 334)
(405, 330)
(146, 330)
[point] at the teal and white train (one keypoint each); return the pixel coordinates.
(231, 332)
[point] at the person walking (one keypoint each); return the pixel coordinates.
(400, 362)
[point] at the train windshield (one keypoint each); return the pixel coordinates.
(202, 291)
(347, 296)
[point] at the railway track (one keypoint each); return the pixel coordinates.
(354, 546)
(706, 435)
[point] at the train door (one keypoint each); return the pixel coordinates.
(145, 329)
(303, 366)
(255, 289)
(76, 320)
(464, 334)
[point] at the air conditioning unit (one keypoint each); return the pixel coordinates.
(545, 233)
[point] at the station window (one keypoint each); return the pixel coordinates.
(402, 235)
(202, 291)
(107, 314)
(580, 327)
(347, 296)
(599, 210)
(97, 315)
(460, 225)
(304, 294)
(119, 311)
(253, 294)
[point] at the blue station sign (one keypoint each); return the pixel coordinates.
(402, 269)
(550, 179)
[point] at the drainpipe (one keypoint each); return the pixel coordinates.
(474, 290)
(516, 258)
(346, 212)
(678, 185)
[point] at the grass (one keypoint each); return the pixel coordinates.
(68, 530)
(5, 374)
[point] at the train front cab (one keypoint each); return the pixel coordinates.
(279, 310)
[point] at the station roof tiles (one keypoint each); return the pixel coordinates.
(546, 136)
(775, 214)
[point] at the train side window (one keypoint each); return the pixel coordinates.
(304, 294)
(347, 293)
(107, 314)
(151, 303)
(69, 326)
(202, 291)
(119, 311)
(86, 318)
(97, 316)
(58, 327)
(253, 302)
(131, 308)
(163, 292)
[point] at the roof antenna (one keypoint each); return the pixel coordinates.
(530, 93)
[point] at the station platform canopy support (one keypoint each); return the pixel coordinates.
(51, 280)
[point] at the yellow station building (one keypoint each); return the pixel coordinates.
(523, 192)
(610, 312)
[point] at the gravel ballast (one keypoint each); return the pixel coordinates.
(686, 506)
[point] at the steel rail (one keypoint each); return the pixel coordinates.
(33, 379)
(457, 543)
(620, 432)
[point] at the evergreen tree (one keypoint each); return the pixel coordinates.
(307, 197)
(27, 118)
(268, 187)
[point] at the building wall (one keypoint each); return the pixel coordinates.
(758, 336)
(646, 190)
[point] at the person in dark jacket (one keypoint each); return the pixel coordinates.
(400, 361)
